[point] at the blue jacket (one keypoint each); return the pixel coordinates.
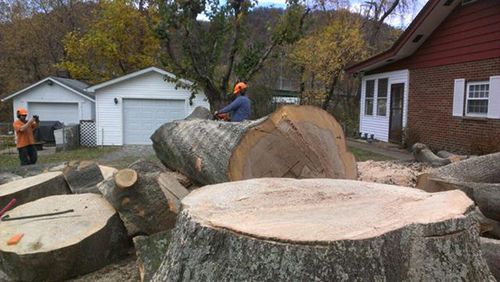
(240, 109)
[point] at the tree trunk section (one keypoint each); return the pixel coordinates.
(33, 188)
(146, 207)
(150, 251)
(272, 229)
(294, 141)
(478, 177)
(83, 177)
(62, 246)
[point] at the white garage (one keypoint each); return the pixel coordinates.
(130, 108)
(66, 112)
(56, 99)
(141, 117)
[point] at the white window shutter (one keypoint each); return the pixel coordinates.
(458, 98)
(494, 100)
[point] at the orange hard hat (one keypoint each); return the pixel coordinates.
(22, 112)
(239, 86)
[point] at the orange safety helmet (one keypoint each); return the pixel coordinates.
(22, 112)
(239, 86)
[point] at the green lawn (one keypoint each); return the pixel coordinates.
(362, 155)
(12, 160)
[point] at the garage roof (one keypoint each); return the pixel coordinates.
(72, 85)
(132, 75)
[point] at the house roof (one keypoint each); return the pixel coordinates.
(72, 85)
(133, 75)
(428, 19)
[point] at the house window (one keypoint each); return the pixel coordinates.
(477, 98)
(370, 92)
(382, 96)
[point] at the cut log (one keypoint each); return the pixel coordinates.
(83, 177)
(294, 141)
(150, 251)
(6, 177)
(273, 229)
(478, 177)
(144, 207)
(423, 154)
(33, 188)
(62, 246)
(452, 157)
(107, 171)
(491, 252)
(125, 178)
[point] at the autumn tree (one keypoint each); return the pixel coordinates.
(217, 52)
(119, 40)
(31, 33)
(324, 53)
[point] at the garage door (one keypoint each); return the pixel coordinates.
(142, 117)
(63, 112)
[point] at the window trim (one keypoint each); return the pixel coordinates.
(385, 98)
(467, 88)
(372, 98)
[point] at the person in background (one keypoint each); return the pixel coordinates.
(24, 136)
(240, 108)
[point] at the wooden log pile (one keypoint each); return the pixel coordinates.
(479, 178)
(112, 207)
(272, 229)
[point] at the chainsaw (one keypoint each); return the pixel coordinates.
(222, 116)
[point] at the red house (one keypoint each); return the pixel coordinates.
(440, 81)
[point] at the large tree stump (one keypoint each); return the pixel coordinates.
(61, 246)
(33, 188)
(146, 204)
(478, 177)
(83, 177)
(274, 229)
(294, 141)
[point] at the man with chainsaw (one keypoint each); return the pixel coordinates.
(24, 136)
(240, 109)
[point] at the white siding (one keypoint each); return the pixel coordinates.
(379, 125)
(54, 94)
(109, 116)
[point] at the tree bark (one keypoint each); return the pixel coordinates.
(478, 177)
(83, 177)
(148, 206)
(491, 253)
(272, 229)
(33, 188)
(62, 246)
(294, 141)
(150, 251)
